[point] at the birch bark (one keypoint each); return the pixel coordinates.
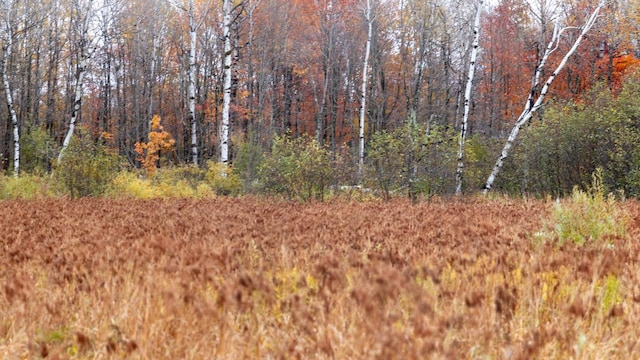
(531, 107)
(365, 73)
(467, 99)
(226, 99)
(8, 48)
(192, 82)
(83, 49)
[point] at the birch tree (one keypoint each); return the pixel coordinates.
(81, 23)
(532, 106)
(467, 99)
(365, 72)
(192, 82)
(226, 99)
(7, 34)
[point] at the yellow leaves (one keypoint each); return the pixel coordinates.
(159, 141)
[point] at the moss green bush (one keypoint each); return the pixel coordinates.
(412, 159)
(571, 140)
(87, 168)
(37, 151)
(246, 164)
(297, 168)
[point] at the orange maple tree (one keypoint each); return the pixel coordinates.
(159, 141)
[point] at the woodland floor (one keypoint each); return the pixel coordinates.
(257, 278)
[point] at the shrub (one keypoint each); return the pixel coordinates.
(87, 168)
(223, 181)
(247, 162)
(386, 162)
(177, 182)
(412, 158)
(129, 184)
(27, 187)
(571, 140)
(37, 151)
(297, 168)
(587, 217)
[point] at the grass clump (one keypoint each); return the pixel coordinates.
(587, 217)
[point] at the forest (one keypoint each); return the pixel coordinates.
(298, 97)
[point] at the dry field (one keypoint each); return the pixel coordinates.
(253, 278)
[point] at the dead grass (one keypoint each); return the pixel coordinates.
(254, 278)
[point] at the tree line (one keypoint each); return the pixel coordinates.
(230, 77)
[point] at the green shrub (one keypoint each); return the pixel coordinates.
(569, 141)
(587, 217)
(386, 169)
(412, 159)
(37, 151)
(87, 168)
(297, 168)
(246, 164)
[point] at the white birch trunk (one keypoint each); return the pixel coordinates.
(530, 107)
(467, 99)
(365, 72)
(7, 88)
(226, 101)
(192, 83)
(154, 60)
(77, 101)
(12, 111)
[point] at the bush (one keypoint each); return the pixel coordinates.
(37, 151)
(297, 168)
(247, 162)
(177, 182)
(27, 187)
(223, 181)
(572, 140)
(412, 159)
(87, 168)
(587, 217)
(386, 169)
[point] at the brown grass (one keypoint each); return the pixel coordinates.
(252, 278)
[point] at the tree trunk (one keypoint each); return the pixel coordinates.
(77, 101)
(467, 99)
(7, 89)
(192, 82)
(226, 100)
(365, 72)
(81, 69)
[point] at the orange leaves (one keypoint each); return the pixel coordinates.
(616, 68)
(159, 140)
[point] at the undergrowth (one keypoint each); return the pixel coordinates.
(588, 216)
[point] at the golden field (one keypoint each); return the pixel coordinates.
(253, 278)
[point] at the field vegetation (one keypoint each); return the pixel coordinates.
(234, 278)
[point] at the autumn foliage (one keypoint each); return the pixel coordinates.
(159, 141)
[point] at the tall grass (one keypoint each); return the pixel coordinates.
(588, 216)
